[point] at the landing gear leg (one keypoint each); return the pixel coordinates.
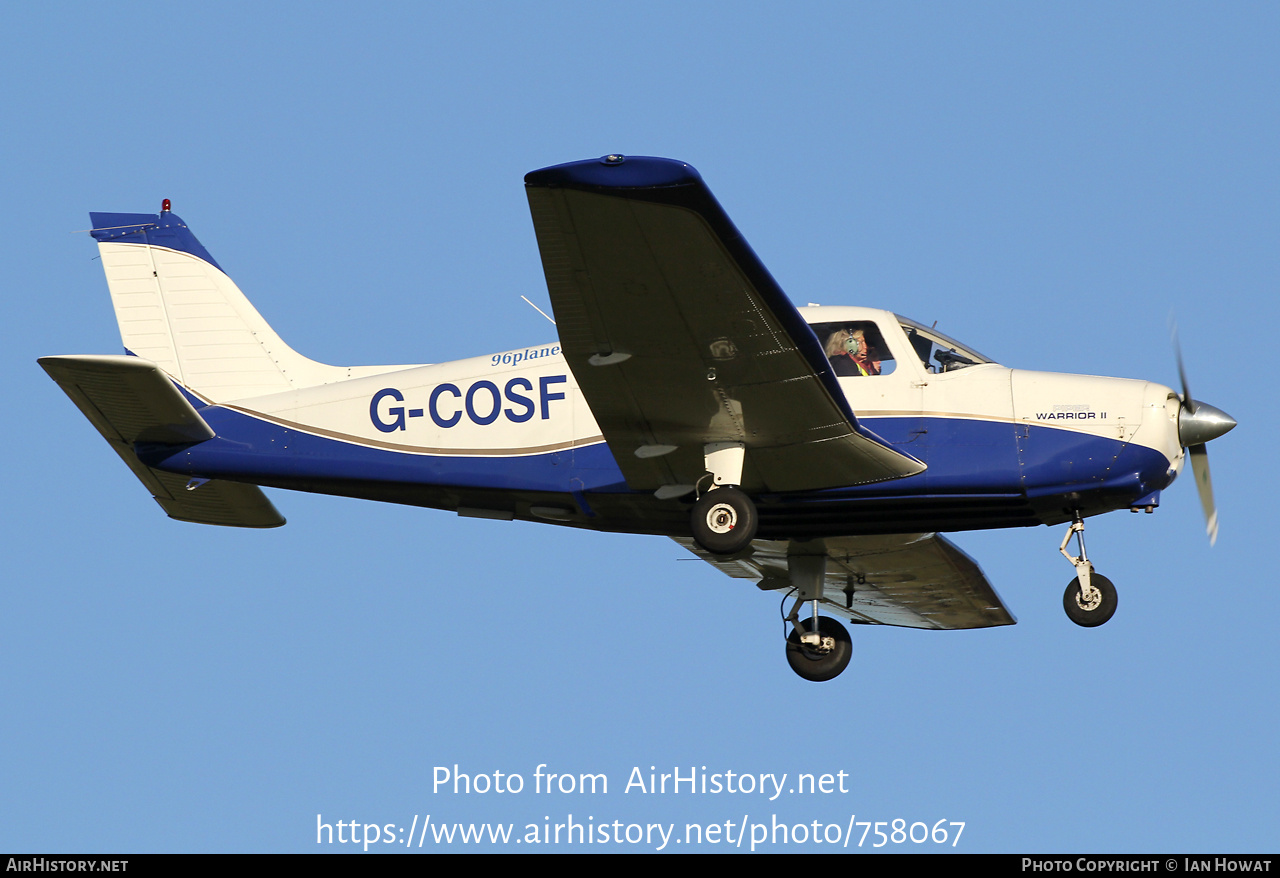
(818, 648)
(1090, 599)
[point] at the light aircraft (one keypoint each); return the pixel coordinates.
(817, 451)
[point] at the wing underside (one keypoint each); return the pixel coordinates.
(907, 580)
(678, 337)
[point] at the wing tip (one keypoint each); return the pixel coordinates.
(616, 171)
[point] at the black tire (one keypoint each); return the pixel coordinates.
(1085, 616)
(815, 666)
(724, 521)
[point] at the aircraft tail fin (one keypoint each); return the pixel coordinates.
(177, 308)
(130, 400)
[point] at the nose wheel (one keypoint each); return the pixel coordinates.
(1090, 599)
(1093, 608)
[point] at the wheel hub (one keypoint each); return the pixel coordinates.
(817, 646)
(1088, 600)
(722, 518)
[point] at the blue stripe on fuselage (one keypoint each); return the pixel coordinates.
(248, 448)
(965, 456)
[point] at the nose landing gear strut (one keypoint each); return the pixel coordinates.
(1090, 599)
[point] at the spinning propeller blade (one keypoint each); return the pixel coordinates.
(1204, 484)
(1199, 422)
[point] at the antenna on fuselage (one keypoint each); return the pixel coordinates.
(539, 310)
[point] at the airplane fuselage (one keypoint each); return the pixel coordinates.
(508, 435)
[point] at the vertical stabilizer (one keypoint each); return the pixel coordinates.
(176, 307)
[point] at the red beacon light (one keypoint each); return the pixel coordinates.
(164, 207)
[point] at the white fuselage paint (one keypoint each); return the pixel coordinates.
(526, 401)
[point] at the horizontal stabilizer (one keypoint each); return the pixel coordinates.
(129, 400)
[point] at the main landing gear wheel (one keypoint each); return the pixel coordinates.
(1097, 608)
(819, 664)
(724, 521)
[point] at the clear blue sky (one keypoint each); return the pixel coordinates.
(1046, 181)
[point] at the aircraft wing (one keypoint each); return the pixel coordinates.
(678, 336)
(907, 580)
(130, 400)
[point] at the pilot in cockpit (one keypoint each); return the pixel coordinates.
(849, 353)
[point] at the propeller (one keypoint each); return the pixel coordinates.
(1198, 423)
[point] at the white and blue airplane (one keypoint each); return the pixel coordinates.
(817, 451)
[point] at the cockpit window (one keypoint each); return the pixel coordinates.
(855, 348)
(938, 352)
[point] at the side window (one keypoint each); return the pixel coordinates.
(855, 348)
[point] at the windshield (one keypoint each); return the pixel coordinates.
(938, 352)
